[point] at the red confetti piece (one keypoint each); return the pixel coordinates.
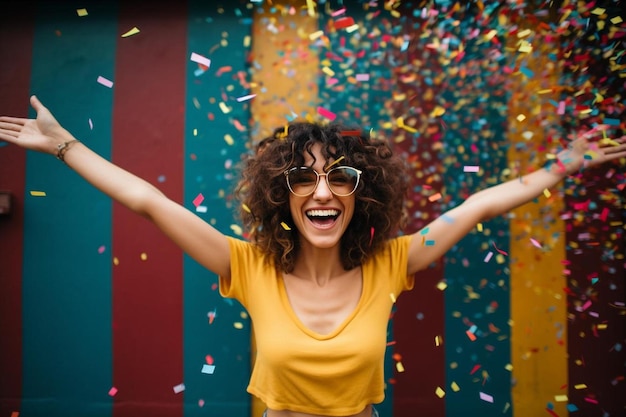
(344, 22)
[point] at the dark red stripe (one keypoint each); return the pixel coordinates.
(420, 314)
(16, 39)
(148, 131)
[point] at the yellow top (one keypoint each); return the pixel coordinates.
(300, 370)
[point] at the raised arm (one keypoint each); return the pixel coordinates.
(193, 235)
(451, 227)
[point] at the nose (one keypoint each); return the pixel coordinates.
(322, 191)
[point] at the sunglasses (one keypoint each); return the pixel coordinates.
(342, 180)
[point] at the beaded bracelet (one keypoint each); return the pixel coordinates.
(63, 147)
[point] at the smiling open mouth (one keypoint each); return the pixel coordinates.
(323, 217)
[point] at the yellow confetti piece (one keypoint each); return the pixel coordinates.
(399, 367)
(437, 340)
(316, 35)
(236, 229)
(81, 12)
(224, 108)
(144, 256)
(285, 226)
(598, 11)
(229, 139)
(335, 162)
(616, 20)
(521, 117)
(246, 208)
(442, 285)
(455, 387)
(238, 325)
(328, 71)
(310, 5)
(525, 47)
(116, 261)
(479, 227)
(560, 398)
(131, 32)
(38, 193)
(547, 193)
(438, 111)
(580, 386)
(440, 392)
(602, 326)
(508, 367)
(393, 297)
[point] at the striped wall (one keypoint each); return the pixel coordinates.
(102, 316)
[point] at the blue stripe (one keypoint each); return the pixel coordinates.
(66, 281)
(217, 33)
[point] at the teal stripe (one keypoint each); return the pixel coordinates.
(66, 281)
(358, 104)
(215, 32)
(477, 295)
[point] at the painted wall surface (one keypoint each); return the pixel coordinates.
(101, 315)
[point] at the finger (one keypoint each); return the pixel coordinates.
(37, 105)
(19, 121)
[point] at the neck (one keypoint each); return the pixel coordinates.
(317, 264)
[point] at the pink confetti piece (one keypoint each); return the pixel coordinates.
(200, 403)
(326, 113)
(178, 388)
(500, 250)
(200, 59)
(101, 249)
(488, 257)
(561, 108)
(486, 397)
(104, 81)
(198, 200)
(362, 77)
(112, 391)
(471, 168)
(535, 243)
(338, 12)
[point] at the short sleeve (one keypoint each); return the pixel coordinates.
(399, 259)
(245, 262)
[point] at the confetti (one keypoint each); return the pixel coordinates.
(131, 32)
(105, 82)
(198, 200)
(326, 113)
(38, 193)
(179, 388)
(81, 12)
(208, 369)
(206, 62)
(486, 397)
(112, 392)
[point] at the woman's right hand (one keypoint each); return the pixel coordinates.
(43, 134)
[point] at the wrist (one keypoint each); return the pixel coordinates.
(63, 147)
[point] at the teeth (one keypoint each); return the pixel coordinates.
(322, 213)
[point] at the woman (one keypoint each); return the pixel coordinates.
(324, 266)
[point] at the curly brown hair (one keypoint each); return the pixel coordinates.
(379, 206)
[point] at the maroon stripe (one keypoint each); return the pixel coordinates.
(16, 43)
(595, 307)
(420, 312)
(148, 132)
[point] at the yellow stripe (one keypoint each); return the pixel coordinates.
(284, 78)
(538, 304)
